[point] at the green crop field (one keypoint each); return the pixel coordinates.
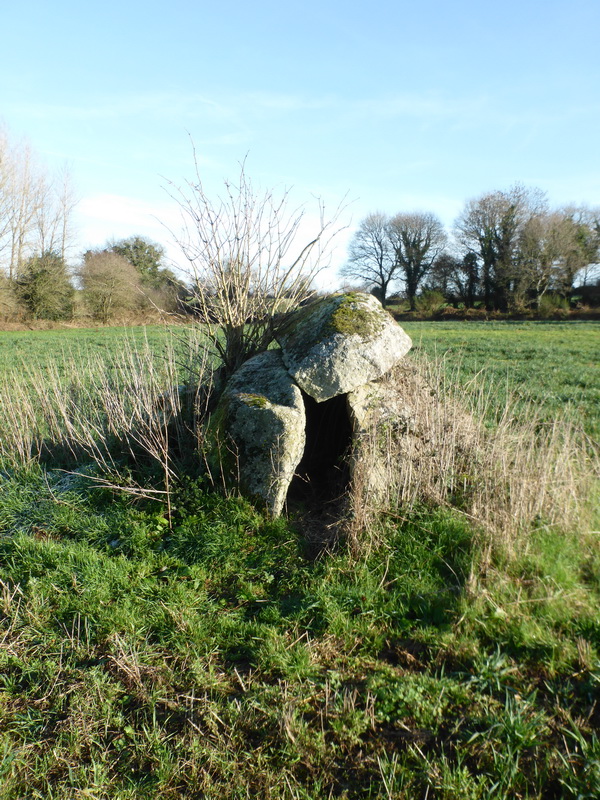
(19, 349)
(200, 650)
(554, 365)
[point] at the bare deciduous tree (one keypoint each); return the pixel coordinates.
(35, 210)
(587, 223)
(248, 261)
(56, 201)
(553, 248)
(371, 257)
(25, 195)
(417, 241)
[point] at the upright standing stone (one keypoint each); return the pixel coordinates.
(255, 438)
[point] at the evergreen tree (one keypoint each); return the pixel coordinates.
(146, 257)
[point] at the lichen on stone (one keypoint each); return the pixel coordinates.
(255, 438)
(351, 318)
(253, 400)
(339, 342)
(306, 325)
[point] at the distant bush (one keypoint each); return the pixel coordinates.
(430, 302)
(553, 304)
(110, 284)
(44, 288)
(10, 308)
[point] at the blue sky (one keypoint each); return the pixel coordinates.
(401, 106)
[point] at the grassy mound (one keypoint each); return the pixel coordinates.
(197, 649)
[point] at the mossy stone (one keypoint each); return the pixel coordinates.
(255, 437)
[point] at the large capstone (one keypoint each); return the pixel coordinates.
(341, 342)
(256, 436)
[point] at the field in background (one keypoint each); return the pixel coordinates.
(555, 365)
(209, 656)
(19, 348)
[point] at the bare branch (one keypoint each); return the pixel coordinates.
(247, 261)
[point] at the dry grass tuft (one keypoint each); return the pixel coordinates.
(100, 410)
(429, 444)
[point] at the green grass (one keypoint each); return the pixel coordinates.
(554, 365)
(52, 345)
(213, 657)
(57, 348)
(216, 659)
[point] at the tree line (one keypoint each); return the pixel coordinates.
(36, 240)
(111, 283)
(507, 251)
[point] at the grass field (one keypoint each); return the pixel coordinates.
(554, 365)
(210, 656)
(58, 348)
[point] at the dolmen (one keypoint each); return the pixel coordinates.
(285, 402)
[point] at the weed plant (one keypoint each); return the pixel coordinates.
(504, 477)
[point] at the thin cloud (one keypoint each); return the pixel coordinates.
(285, 102)
(162, 104)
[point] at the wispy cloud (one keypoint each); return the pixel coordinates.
(155, 104)
(112, 216)
(279, 101)
(406, 105)
(189, 106)
(464, 110)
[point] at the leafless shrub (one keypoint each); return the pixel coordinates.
(110, 283)
(249, 260)
(10, 308)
